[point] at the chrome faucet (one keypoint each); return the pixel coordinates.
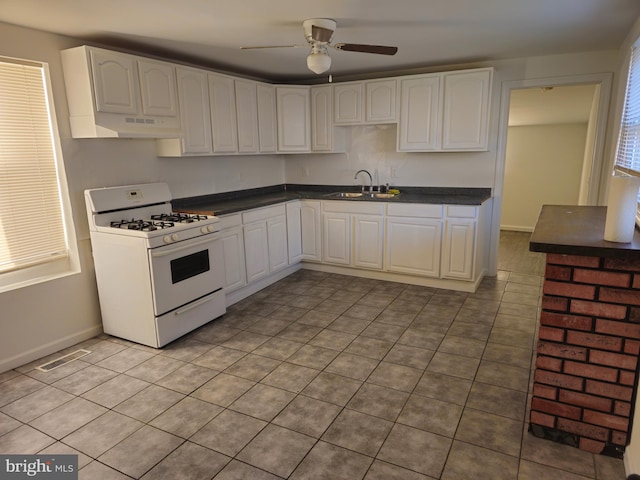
(370, 179)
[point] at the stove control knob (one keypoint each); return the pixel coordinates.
(166, 239)
(174, 237)
(210, 229)
(204, 230)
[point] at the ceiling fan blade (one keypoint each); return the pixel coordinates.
(320, 34)
(355, 47)
(273, 46)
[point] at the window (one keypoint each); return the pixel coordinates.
(34, 240)
(628, 151)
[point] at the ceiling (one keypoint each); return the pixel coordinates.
(209, 33)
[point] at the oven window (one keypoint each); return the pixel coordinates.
(189, 266)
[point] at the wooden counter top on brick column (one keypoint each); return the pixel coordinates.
(586, 374)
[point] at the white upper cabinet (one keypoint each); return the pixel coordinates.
(193, 98)
(419, 123)
(112, 94)
(380, 101)
(321, 119)
(224, 128)
(445, 111)
(294, 129)
(347, 107)
(247, 116)
(466, 110)
(158, 88)
(267, 121)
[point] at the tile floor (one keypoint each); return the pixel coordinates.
(318, 376)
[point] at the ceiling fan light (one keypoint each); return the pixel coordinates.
(318, 62)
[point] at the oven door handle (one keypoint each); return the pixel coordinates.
(164, 253)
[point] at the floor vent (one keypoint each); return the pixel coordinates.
(58, 362)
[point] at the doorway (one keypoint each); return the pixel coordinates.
(591, 175)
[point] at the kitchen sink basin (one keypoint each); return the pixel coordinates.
(345, 194)
(381, 195)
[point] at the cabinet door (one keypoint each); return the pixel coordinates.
(413, 246)
(368, 234)
(418, 128)
(256, 251)
(459, 242)
(311, 229)
(158, 88)
(347, 103)
(336, 242)
(277, 241)
(247, 113)
(193, 97)
(466, 110)
(115, 81)
(294, 231)
(267, 134)
(321, 119)
(233, 249)
(223, 113)
(380, 98)
(294, 130)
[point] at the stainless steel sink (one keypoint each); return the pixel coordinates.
(345, 194)
(381, 195)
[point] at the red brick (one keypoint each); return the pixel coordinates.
(632, 347)
(636, 281)
(619, 392)
(559, 380)
(573, 260)
(628, 264)
(572, 290)
(562, 350)
(583, 429)
(555, 272)
(599, 277)
(622, 408)
(603, 342)
(549, 363)
(553, 334)
(591, 371)
(555, 408)
(618, 295)
(598, 309)
(555, 303)
(584, 400)
(573, 322)
(544, 391)
(592, 446)
(605, 420)
(627, 362)
(619, 438)
(543, 419)
(634, 314)
(627, 378)
(621, 329)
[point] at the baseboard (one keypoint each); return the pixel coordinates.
(516, 228)
(631, 465)
(41, 351)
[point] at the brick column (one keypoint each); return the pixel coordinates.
(586, 377)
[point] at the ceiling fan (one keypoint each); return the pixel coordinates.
(318, 33)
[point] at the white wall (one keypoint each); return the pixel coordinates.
(41, 319)
(543, 166)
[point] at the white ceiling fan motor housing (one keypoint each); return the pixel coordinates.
(326, 23)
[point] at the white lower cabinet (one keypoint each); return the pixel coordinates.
(413, 246)
(304, 229)
(265, 241)
(368, 236)
(336, 238)
(458, 257)
(232, 240)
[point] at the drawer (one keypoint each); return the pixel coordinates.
(368, 208)
(418, 210)
(230, 221)
(263, 213)
(461, 211)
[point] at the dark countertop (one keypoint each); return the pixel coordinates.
(236, 201)
(578, 230)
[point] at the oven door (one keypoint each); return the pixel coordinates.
(185, 271)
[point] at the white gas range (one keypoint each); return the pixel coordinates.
(159, 273)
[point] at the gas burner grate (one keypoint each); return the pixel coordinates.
(142, 225)
(179, 217)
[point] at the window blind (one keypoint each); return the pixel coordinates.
(31, 222)
(628, 152)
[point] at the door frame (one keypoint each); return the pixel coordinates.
(604, 81)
